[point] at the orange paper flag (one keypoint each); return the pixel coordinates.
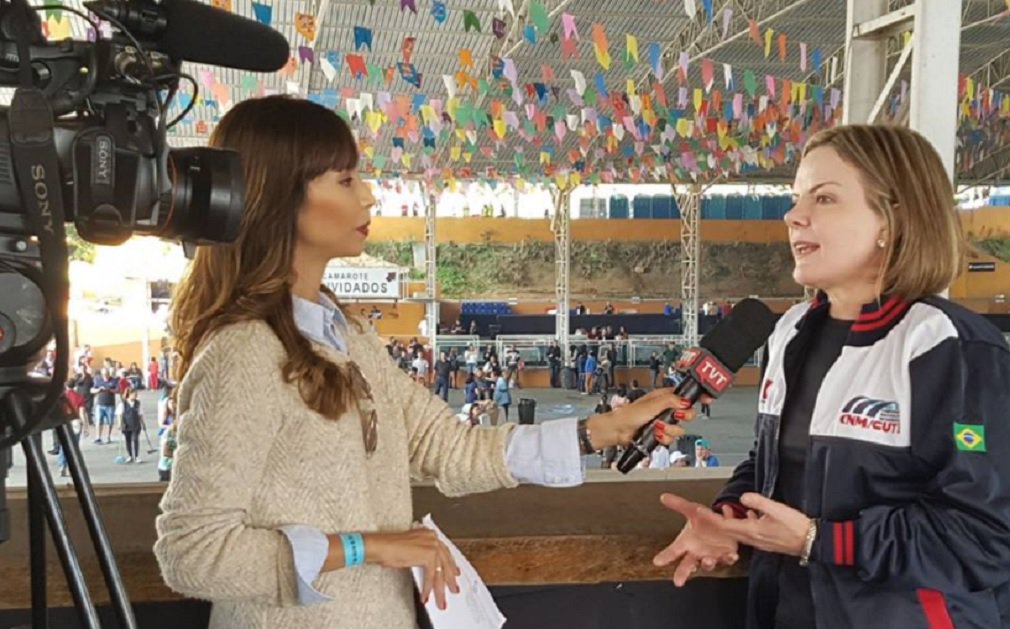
(755, 34)
(782, 46)
(305, 24)
(465, 58)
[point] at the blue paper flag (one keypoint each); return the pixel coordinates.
(601, 85)
(655, 57)
(398, 143)
(727, 110)
(263, 13)
(530, 34)
(708, 10)
(816, 58)
(334, 58)
(362, 37)
(541, 91)
(419, 101)
(438, 11)
(605, 123)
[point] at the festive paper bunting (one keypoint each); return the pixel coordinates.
(306, 54)
(305, 24)
(224, 5)
(408, 4)
(815, 58)
(707, 73)
(727, 17)
(782, 47)
(727, 73)
(770, 85)
(59, 29)
(547, 72)
(752, 29)
(568, 26)
(768, 42)
(750, 82)
(708, 10)
(465, 58)
(506, 5)
(656, 60)
(539, 17)
(601, 84)
(803, 57)
(580, 81)
(569, 49)
(362, 38)
(690, 8)
(407, 48)
(263, 13)
(530, 34)
(470, 21)
(682, 66)
(601, 46)
(356, 64)
(438, 11)
(631, 47)
(498, 27)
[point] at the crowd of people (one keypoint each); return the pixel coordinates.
(102, 398)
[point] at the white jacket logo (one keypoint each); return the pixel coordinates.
(869, 414)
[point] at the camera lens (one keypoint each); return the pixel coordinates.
(208, 195)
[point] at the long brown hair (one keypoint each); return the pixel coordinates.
(284, 143)
(907, 185)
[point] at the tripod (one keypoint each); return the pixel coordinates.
(44, 507)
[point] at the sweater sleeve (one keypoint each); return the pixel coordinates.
(460, 458)
(206, 547)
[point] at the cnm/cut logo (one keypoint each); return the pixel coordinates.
(869, 414)
(41, 190)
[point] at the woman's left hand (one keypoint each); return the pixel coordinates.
(770, 525)
(619, 426)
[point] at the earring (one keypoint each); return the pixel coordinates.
(881, 243)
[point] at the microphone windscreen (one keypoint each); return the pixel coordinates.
(201, 33)
(735, 339)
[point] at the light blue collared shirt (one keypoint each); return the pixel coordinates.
(544, 454)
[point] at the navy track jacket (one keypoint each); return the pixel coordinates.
(908, 469)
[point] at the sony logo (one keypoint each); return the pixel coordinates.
(103, 161)
(41, 190)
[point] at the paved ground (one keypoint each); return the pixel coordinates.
(731, 431)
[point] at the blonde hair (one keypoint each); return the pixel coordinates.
(283, 143)
(907, 185)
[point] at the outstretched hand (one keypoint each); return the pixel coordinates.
(703, 543)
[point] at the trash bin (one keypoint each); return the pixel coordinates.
(527, 410)
(570, 379)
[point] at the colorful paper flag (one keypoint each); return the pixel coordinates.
(631, 47)
(470, 21)
(708, 10)
(768, 42)
(727, 17)
(529, 33)
(752, 28)
(408, 4)
(601, 46)
(407, 48)
(538, 15)
(656, 60)
(568, 26)
(707, 73)
(803, 57)
(362, 37)
(690, 8)
(438, 11)
(263, 13)
(498, 27)
(782, 47)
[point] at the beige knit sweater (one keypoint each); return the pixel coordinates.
(252, 457)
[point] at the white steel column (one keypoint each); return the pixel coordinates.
(690, 247)
(937, 40)
(865, 63)
(430, 284)
(562, 255)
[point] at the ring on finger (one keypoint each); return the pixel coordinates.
(438, 568)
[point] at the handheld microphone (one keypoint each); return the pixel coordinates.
(709, 369)
(197, 32)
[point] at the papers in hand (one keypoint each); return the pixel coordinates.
(473, 607)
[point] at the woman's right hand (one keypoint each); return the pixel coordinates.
(699, 543)
(419, 547)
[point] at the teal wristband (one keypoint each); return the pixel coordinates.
(354, 549)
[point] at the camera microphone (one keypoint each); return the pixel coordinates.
(197, 32)
(709, 369)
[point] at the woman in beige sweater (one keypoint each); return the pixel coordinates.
(290, 500)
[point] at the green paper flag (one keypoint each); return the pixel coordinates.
(374, 74)
(249, 82)
(54, 13)
(590, 96)
(470, 20)
(538, 15)
(750, 82)
(379, 161)
(483, 87)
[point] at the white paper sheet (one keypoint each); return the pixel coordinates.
(473, 607)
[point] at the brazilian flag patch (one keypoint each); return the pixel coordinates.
(969, 437)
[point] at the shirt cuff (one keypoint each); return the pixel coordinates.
(546, 454)
(310, 548)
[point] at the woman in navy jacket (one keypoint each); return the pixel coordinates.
(878, 490)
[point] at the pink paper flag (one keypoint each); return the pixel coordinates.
(727, 17)
(770, 85)
(707, 73)
(568, 21)
(803, 57)
(737, 105)
(682, 97)
(547, 73)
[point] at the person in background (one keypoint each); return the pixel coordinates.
(131, 426)
(135, 376)
(472, 357)
(502, 395)
(620, 397)
(554, 362)
(153, 381)
(454, 368)
(83, 384)
(105, 389)
(679, 459)
(443, 368)
(165, 364)
(420, 368)
(660, 458)
(168, 444)
(703, 456)
(512, 366)
(473, 328)
(470, 389)
(608, 309)
(589, 371)
(74, 407)
(581, 309)
(654, 368)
